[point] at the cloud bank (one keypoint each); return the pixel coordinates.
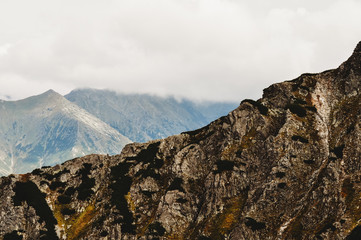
(201, 49)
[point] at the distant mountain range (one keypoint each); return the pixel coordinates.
(48, 129)
(143, 117)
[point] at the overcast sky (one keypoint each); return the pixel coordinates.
(200, 49)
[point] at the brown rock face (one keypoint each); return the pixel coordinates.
(287, 166)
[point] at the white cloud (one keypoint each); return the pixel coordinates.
(4, 49)
(203, 49)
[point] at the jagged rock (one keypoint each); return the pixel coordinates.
(284, 167)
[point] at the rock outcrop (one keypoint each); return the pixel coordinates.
(287, 166)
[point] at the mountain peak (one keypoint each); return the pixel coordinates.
(47, 128)
(48, 98)
(358, 48)
(352, 65)
(51, 93)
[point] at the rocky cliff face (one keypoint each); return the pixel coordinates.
(284, 167)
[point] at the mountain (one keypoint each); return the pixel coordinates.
(284, 167)
(47, 129)
(144, 117)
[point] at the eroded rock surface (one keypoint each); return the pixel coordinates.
(286, 166)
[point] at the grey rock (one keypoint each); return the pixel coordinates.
(284, 167)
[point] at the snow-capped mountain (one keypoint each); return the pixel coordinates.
(48, 129)
(144, 117)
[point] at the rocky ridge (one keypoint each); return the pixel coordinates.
(284, 167)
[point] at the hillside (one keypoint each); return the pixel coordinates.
(284, 167)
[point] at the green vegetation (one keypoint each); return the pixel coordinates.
(235, 149)
(221, 224)
(80, 223)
